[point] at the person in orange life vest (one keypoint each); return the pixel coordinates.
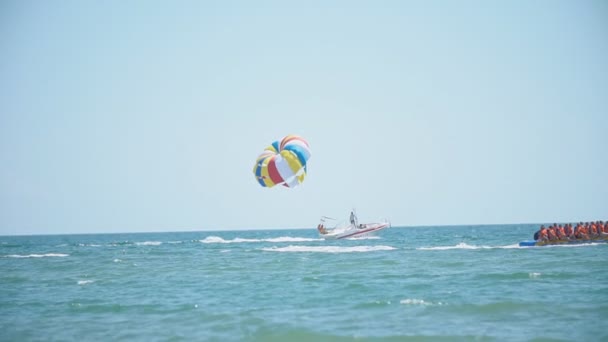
(544, 235)
(593, 232)
(588, 230)
(581, 233)
(600, 229)
(560, 232)
(552, 234)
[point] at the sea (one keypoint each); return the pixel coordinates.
(450, 283)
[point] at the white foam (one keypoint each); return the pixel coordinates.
(420, 302)
(84, 282)
(213, 239)
(217, 239)
(534, 275)
(117, 260)
(329, 249)
(48, 255)
(370, 237)
(514, 246)
(149, 243)
(463, 245)
(239, 240)
(291, 239)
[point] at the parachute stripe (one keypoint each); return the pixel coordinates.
(293, 139)
(286, 140)
(299, 152)
(284, 168)
(258, 172)
(273, 172)
(292, 161)
(267, 180)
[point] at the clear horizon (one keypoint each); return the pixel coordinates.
(144, 116)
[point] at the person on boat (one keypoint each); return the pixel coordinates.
(321, 229)
(592, 231)
(600, 229)
(581, 233)
(569, 231)
(543, 235)
(353, 219)
(552, 234)
(561, 233)
(537, 233)
(604, 229)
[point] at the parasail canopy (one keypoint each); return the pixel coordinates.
(283, 162)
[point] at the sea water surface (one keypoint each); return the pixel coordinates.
(469, 283)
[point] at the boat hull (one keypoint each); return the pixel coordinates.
(355, 232)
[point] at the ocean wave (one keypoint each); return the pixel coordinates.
(88, 245)
(48, 255)
(120, 243)
(420, 302)
(291, 239)
(463, 245)
(373, 304)
(494, 276)
(217, 239)
(149, 243)
(84, 282)
(329, 249)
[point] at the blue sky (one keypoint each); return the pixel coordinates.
(126, 116)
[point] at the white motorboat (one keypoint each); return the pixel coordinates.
(351, 230)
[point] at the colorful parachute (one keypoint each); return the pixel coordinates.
(283, 162)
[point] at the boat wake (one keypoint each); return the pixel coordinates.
(365, 237)
(329, 249)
